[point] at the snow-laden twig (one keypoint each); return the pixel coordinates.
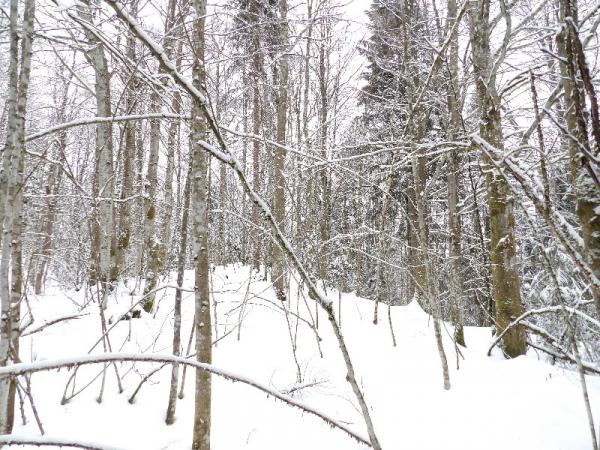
(38, 366)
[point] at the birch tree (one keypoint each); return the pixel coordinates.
(11, 263)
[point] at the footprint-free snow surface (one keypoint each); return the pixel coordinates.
(524, 403)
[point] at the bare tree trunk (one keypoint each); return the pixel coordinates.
(425, 284)
(127, 161)
(45, 250)
(583, 174)
(456, 282)
(102, 226)
(170, 419)
(506, 285)
(421, 232)
(13, 217)
(153, 262)
(256, 118)
(10, 148)
(325, 183)
(304, 202)
(278, 273)
(244, 238)
(199, 179)
(173, 46)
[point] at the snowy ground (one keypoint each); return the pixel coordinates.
(524, 403)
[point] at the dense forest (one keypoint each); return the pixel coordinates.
(443, 154)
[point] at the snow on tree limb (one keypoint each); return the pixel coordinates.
(38, 366)
(95, 120)
(44, 441)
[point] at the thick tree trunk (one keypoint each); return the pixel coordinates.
(587, 193)
(153, 253)
(102, 226)
(8, 156)
(421, 232)
(506, 287)
(304, 194)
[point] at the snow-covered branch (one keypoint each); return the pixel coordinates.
(25, 368)
(45, 441)
(96, 120)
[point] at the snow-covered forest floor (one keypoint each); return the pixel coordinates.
(524, 403)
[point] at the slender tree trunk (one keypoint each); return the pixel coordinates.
(325, 182)
(174, 48)
(199, 179)
(456, 282)
(170, 419)
(127, 162)
(44, 253)
(244, 238)
(278, 273)
(426, 285)
(54, 174)
(256, 123)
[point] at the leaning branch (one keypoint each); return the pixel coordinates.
(23, 368)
